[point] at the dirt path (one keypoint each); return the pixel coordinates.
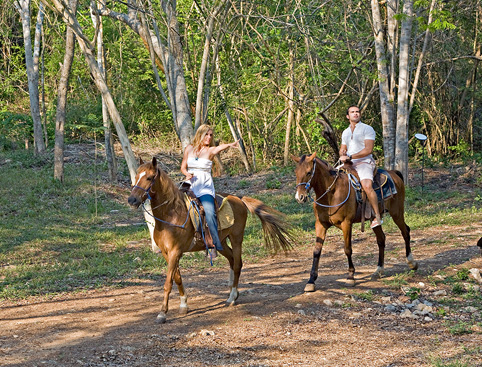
(273, 324)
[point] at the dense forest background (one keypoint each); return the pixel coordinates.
(278, 74)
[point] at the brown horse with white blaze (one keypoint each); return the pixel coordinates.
(174, 231)
(335, 205)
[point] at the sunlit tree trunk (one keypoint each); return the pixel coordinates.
(108, 138)
(62, 100)
(386, 106)
(401, 147)
(32, 62)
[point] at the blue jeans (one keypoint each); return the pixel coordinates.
(210, 211)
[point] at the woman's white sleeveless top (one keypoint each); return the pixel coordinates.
(202, 182)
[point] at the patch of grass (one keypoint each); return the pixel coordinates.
(459, 328)
(366, 296)
(398, 280)
(440, 362)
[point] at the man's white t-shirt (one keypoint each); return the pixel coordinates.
(355, 141)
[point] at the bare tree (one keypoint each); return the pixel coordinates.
(62, 99)
(401, 146)
(108, 139)
(32, 62)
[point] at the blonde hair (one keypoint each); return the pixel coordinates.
(201, 132)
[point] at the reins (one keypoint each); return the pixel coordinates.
(308, 188)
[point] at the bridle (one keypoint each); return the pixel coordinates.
(146, 191)
(308, 188)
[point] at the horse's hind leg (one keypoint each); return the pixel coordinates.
(235, 265)
(347, 231)
(381, 252)
(400, 222)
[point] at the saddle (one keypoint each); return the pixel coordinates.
(383, 186)
(224, 214)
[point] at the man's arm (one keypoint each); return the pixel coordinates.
(369, 144)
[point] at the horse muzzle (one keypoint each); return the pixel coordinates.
(134, 201)
(301, 198)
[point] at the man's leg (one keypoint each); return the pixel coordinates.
(210, 214)
(372, 197)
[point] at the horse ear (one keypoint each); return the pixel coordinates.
(295, 158)
(311, 157)
(154, 162)
(141, 162)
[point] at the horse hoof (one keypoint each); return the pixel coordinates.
(413, 265)
(182, 311)
(231, 303)
(310, 287)
(161, 318)
(350, 282)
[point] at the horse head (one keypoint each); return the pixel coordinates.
(304, 171)
(145, 177)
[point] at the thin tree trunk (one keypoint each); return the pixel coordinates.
(291, 106)
(108, 138)
(31, 61)
(421, 57)
(386, 108)
(62, 99)
(234, 131)
(401, 148)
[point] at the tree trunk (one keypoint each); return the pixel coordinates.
(108, 138)
(62, 99)
(31, 61)
(386, 107)
(291, 107)
(401, 148)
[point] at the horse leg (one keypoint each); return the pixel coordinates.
(183, 297)
(381, 252)
(400, 222)
(235, 265)
(320, 229)
(172, 268)
(347, 230)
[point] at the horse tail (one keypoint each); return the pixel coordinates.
(276, 229)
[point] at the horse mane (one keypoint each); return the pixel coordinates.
(172, 194)
(328, 166)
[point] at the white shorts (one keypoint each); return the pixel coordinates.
(365, 168)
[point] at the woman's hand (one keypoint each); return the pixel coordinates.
(234, 144)
(189, 176)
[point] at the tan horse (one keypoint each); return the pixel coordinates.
(335, 205)
(174, 231)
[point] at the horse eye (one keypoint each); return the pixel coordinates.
(149, 178)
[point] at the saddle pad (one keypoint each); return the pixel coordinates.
(225, 213)
(387, 185)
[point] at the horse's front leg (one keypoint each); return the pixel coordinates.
(381, 252)
(320, 229)
(346, 227)
(172, 273)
